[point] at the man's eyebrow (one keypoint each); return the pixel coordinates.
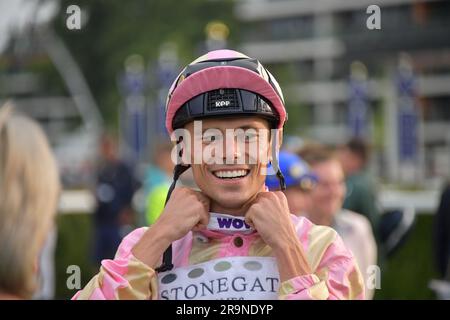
(223, 130)
(212, 128)
(246, 127)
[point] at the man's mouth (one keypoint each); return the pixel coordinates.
(231, 174)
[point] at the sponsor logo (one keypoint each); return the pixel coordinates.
(224, 103)
(227, 223)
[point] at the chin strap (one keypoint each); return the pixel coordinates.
(167, 257)
(281, 180)
(275, 163)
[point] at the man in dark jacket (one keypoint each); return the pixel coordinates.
(114, 192)
(441, 234)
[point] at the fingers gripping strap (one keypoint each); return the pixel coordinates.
(167, 257)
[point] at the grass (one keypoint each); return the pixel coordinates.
(73, 248)
(404, 276)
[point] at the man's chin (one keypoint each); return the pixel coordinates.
(231, 204)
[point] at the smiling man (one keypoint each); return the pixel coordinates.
(231, 238)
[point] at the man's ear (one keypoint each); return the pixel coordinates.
(276, 139)
(181, 152)
(178, 154)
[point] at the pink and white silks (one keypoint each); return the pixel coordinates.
(230, 264)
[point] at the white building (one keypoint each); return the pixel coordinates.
(310, 45)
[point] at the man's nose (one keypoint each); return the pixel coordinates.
(232, 147)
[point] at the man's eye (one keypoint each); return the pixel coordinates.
(250, 137)
(209, 139)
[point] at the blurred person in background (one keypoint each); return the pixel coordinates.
(361, 189)
(157, 182)
(325, 207)
(29, 189)
(115, 186)
(441, 235)
(299, 181)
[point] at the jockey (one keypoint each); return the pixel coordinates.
(229, 237)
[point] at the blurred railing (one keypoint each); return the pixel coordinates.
(423, 202)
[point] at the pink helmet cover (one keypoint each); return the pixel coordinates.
(222, 77)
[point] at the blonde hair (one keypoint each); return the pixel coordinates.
(29, 188)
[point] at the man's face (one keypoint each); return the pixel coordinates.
(231, 178)
(108, 148)
(328, 195)
(350, 162)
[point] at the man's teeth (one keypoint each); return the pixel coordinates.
(230, 173)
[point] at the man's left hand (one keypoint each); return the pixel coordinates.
(269, 215)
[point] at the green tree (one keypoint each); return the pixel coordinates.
(115, 29)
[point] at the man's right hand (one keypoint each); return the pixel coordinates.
(186, 210)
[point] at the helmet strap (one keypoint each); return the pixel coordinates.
(275, 162)
(167, 257)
